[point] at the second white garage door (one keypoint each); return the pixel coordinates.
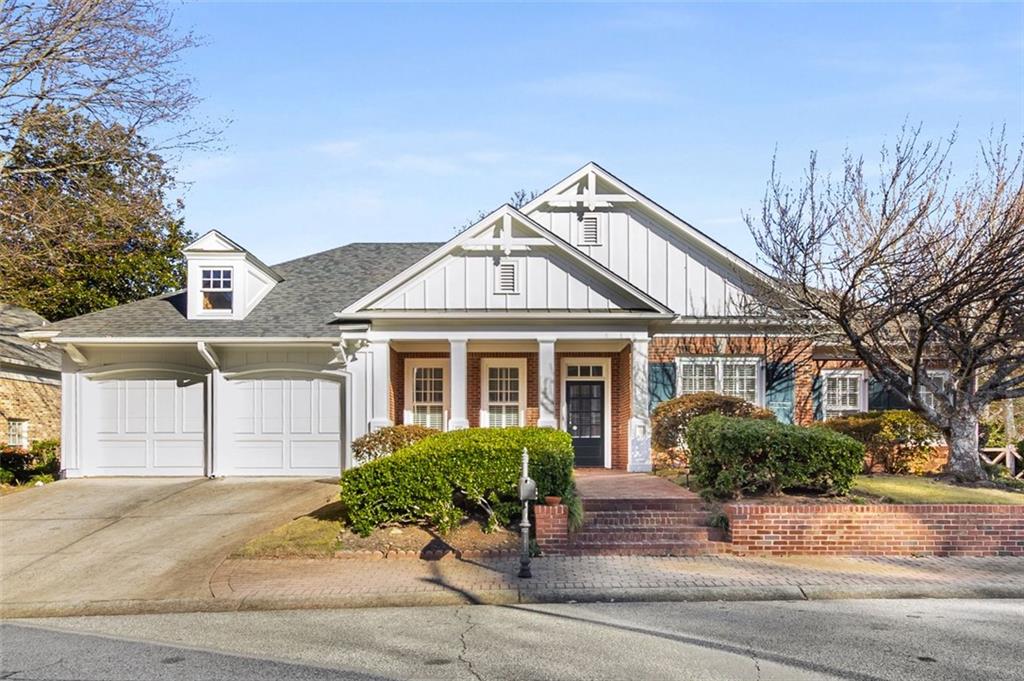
(280, 427)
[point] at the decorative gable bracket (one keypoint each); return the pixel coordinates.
(585, 195)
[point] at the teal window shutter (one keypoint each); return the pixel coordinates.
(661, 381)
(816, 398)
(780, 390)
(881, 398)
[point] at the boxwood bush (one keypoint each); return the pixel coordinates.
(733, 456)
(671, 417)
(436, 480)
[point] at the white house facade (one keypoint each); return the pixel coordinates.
(578, 311)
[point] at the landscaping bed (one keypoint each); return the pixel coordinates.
(324, 534)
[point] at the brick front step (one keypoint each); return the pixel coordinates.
(620, 505)
(587, 536)
(614, 519)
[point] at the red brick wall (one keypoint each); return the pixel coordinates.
(551, 528)
(849, 529)
(39, 403)
(797, 351)
(474, 384)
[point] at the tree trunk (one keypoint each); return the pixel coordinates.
(962, 438)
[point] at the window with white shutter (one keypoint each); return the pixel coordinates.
(845, 392)
(428, 397)
(17, 433)
(502, 392)
(734, 376)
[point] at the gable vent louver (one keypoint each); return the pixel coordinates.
(506, 278)
(589, 234)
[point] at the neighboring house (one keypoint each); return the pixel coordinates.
(578, 311)
(29, 381)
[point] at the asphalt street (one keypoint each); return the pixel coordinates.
(862, 640)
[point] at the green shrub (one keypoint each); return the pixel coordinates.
(6, 477)
(387, 441)
(435, 480)
(40, 479)
(17, 460)
(897, 440)
(670, 418)
(43, 458)
(733, 456)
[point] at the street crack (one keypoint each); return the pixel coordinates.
(463, 654)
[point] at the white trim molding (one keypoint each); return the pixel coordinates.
(413, 363)
(606, 376)
(719, 362)
(488, 363)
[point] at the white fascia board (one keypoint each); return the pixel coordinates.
(469, 234)
(514, 334)
(500, 315)
(683, 227)
(192, 340)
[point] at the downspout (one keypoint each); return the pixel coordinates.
(210, 357)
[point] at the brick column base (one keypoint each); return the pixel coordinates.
(551, 528)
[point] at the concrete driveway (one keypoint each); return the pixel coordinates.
(146, 538)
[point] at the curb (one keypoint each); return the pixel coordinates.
(524, 595)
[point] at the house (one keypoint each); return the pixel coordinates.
(578, 311)
(29, 381)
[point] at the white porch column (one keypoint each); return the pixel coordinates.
(548, 381)
(639, 420)
(457, 359)
(380, 380)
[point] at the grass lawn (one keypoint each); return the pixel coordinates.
(316, 535)
(910, 489)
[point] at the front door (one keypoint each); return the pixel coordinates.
(584, 406)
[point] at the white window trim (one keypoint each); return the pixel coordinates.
(488, 363)
(229, 312)
(862, 393)
(606, 371)
(600, 230)
(945, 375)
(410, 368)
(518, 277)
(721, 361)
(18, 433)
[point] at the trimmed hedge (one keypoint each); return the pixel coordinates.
(733, 456)
(898, 441)
(387, 441)
(670, 418)
(435, 480)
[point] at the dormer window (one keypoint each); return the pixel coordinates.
(217, 289)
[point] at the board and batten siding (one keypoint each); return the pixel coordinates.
(656, 259)
(466, 281)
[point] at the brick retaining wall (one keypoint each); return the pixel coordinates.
(877, 529)
(551, 528)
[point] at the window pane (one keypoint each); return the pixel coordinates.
(428, 416)
(842, 394)
(739, 379)
(502, 397)
(217, 300)
(697, 377)
(428, 385)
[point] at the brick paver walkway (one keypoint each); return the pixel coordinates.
(487, 580)
(601, 483)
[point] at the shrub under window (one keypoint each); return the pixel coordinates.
(387, 441)
(733, 456)
(670, 418)
(438, 479)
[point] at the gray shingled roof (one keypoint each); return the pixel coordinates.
(19, 351)
(302, 305)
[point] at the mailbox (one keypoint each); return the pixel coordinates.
(527, 489)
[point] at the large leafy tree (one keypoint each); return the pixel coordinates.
(917, 269)
(87, 222)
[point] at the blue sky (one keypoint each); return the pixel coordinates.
(398, 122)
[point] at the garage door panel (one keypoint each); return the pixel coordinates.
(295, 428)
(259, 455)
(314, 454)
(177, 454)
(138, 427)
(122, 454)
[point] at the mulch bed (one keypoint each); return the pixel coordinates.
(412, 541)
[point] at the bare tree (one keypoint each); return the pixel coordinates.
(114, 62)
(518, 199)
(915, 271)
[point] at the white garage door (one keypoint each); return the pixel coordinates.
(142, 427)
(280, 427)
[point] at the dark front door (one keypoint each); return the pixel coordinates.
(584, 406)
